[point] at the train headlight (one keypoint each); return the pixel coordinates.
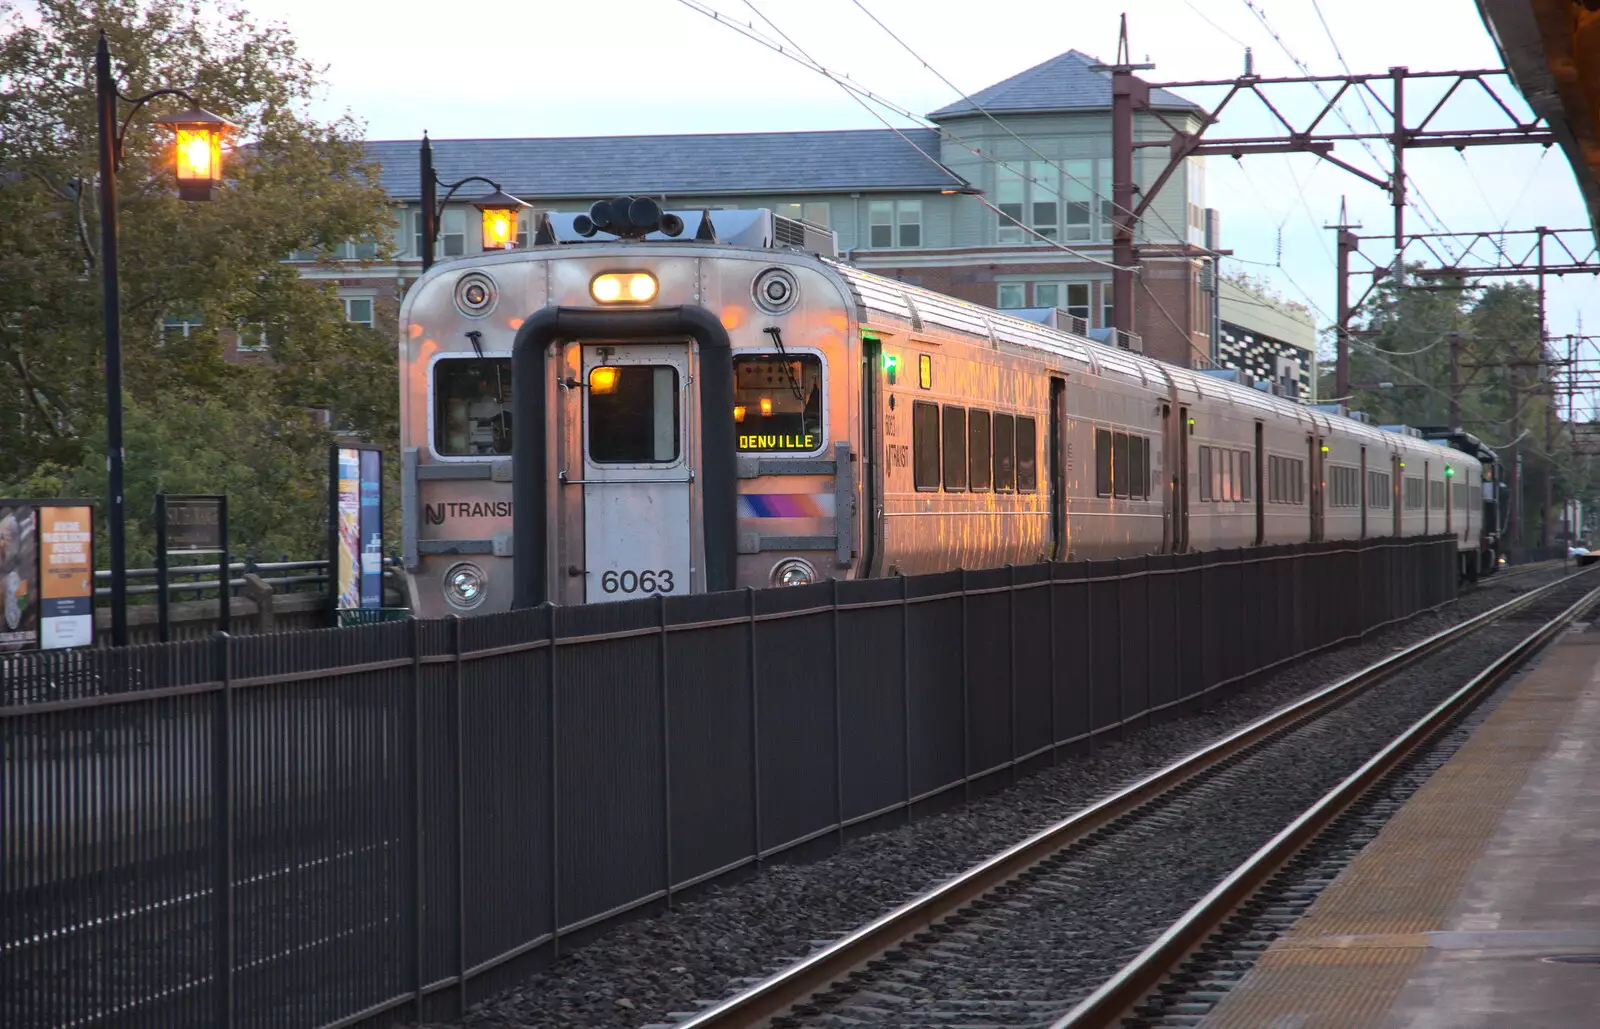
(464, 585)
(775, 290)
(475, 294)
(793, 571)
(623, 288)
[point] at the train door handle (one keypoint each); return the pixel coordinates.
(575, 571)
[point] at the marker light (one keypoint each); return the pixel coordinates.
(1449, 472)
(925, 371)
(603, 379)
(766, 407)
(624, 288)
(1324, 448)
(738, 412)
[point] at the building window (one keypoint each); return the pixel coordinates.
(452, 241)
(880, 224)
(1011, 294)
(250, 338)
(180, 326)
(1046, 207)
(1103, 168)
(1009, 193)
(909, 220)
(357, 250)
(1079, 199)
(357, 310)
(815, 213)
(1108, 315)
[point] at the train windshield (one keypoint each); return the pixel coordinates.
(472, 406)
(777, 402)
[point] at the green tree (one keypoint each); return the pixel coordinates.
(1401, 372)
(194, 421)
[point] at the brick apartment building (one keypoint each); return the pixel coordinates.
(1036, 145)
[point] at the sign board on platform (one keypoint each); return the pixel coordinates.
(46, 575)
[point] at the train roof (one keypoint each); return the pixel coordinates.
(920, 309)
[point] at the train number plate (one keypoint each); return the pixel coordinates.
(632, 582)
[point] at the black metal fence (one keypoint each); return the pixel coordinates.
(365, 824)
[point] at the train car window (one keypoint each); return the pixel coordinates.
(1436, 495)
(472, 406)
(978, 456)
(1412, 488)
(925, 444)
(954, 442)
(634, 419)
(777, 403)
(1458, 496)
(1299, 480)
(1120, 477)
(1138, 477)
(1230, 476)
(1247, 473)
(1205, 473)
(1378, 492)
(1102, 462)
(1007, 446)
(1027, 456)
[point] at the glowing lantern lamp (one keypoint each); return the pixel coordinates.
(500, 210)
(198, 155)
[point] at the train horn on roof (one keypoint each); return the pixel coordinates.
(627, 218)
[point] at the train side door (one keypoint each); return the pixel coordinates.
(1058, 471)
(1259, 482)
(1427, 498)
(1363, 492)
(1314, 485)
(1180, 499)
(1397, 501)
(872, 446)
(637, 472)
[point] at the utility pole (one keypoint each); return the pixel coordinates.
(1128, 93)
(1346, 244)
(1549, 415)
(1455, 379)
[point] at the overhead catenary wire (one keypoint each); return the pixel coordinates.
(1057, 164)
(793, 52)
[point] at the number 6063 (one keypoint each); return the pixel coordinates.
(630, 581)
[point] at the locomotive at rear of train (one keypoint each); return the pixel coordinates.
(740, 409)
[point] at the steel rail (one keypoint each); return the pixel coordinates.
(777, 993)
(1118, 995)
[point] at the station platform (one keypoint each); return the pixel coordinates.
(1478, 904)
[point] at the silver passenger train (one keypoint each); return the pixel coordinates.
(740, 409)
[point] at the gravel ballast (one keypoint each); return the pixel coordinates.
(640, 972)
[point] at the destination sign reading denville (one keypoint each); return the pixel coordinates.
(806, 441)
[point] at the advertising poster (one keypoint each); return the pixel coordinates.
(66, 577)
(347, 534)
(19, 563)
(371, 467)
(194, 524)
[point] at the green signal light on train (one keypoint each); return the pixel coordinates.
(1448, 471)
(891, 365)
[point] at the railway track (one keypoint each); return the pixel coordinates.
(1047, 928)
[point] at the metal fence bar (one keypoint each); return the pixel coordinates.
(222, 838)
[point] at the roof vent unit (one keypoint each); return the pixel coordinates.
(1361, 416)
(1404, 430)
(1335, 409)
(803, 235)
(1119, 338)
(1232, 375)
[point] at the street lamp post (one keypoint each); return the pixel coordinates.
(197, 159)
(499, 208)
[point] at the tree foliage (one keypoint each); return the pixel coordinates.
(1401, 373)
(194, 420)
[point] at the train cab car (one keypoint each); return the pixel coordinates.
(627, 410)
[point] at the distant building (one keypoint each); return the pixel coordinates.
(902, 203)
(1268, 340)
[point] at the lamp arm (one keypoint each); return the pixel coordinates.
(450, 191)
(139, 102)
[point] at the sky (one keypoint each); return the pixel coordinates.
(499, 68)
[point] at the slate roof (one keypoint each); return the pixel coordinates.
(1063, 83)
(718, 163)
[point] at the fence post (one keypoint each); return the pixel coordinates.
(222, 835)
(419, 890)
(966, 700)
(666, 754)
(755, 724)
(838, 721)
(555, 784)
(1011, 631)
(1050, 609)
(1122, 683)
(458, 720)
(905, 683)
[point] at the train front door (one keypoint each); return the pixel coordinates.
(637, 510)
